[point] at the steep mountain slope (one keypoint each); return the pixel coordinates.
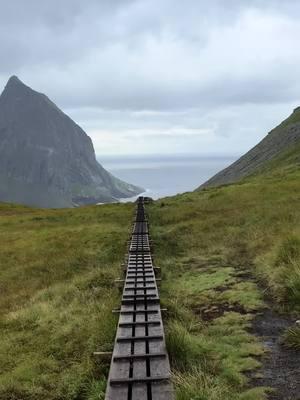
(45, 158)
(280, 140)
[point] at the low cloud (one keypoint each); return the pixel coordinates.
(141, 75)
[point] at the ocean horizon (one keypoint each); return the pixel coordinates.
(165, 175)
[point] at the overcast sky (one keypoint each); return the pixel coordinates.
(159, 76)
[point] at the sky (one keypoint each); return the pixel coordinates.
(159, 76)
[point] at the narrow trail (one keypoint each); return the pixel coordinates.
(140, 368)
(280, 366)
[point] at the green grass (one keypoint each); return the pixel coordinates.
(220, 251)
(57, 293)
(218, 248)
(291, 337)
(207, 327)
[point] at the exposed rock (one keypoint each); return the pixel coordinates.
(46, 159)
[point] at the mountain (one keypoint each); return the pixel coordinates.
(46, 159)
(280, 140)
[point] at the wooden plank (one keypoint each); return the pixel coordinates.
(140, 368)
(139, 392)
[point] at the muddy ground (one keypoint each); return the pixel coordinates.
(280, 366)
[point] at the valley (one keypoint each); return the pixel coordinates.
(228, 255)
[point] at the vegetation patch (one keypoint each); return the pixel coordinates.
(207, 328)
(217, 249)
(57, 272)
(291, 338)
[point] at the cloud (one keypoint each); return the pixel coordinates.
(128, 67)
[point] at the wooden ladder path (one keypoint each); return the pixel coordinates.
(140, 368)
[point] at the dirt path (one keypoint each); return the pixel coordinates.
(281, 366)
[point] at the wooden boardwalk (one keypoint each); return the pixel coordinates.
(140, 368)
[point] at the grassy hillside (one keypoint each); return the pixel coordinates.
(221, 251)
(287, 163)
(56, 278)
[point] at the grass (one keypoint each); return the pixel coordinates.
(217, 249)
(291, 338)
(57, 272)
(207, 328)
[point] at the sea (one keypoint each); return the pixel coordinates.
(165, 175)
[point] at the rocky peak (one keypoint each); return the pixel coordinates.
(43, 151)
(13, 81)
(15, 86)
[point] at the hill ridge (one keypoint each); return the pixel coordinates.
(280, 139)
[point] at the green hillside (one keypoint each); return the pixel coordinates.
(282, 166)
(222, 250)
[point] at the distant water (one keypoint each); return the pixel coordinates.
(165, 175)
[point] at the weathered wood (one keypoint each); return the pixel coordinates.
(142, 356)
(140, 368)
